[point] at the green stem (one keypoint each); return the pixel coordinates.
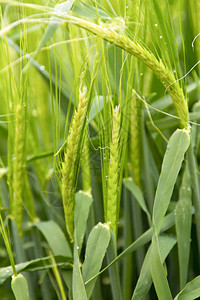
(138, 231)
(45, 292)
(128, 261)
(114, 271)
(8, 246)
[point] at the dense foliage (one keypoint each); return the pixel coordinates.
(99, 152)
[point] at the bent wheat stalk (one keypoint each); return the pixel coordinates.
(165, 75)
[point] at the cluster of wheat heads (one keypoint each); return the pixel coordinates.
(99, 153)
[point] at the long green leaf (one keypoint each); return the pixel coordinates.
(177, 146)
(183, 219)
(191, 290)
(55, 238)
(20, 287)
(166, 243)
(96, 247)
(158, 273)
(82, 209)
(35, 264)
(137, 193)
(114, 270)
(141, 241)
(78, 287)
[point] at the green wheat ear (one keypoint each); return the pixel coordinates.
(69, 166)
(165, 75)
(113, 177)
(19, 168)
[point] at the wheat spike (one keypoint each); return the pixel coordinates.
(70, 163)
(19, 169)
(113, 177)
(165, 75)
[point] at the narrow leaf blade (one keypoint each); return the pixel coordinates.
(183, 219)
(137, 193)
(33, 265)
(97, 244)
(78, 287)
(166, 243)
(158, 273)
(177, 146)
(55, 238)
(20, 287)
(82, 209)
(191, 290)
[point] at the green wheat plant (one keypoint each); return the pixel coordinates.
(70, 162)
(113, 179)
(18, 168)
(99, 152)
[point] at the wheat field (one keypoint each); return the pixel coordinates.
(100, 149)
